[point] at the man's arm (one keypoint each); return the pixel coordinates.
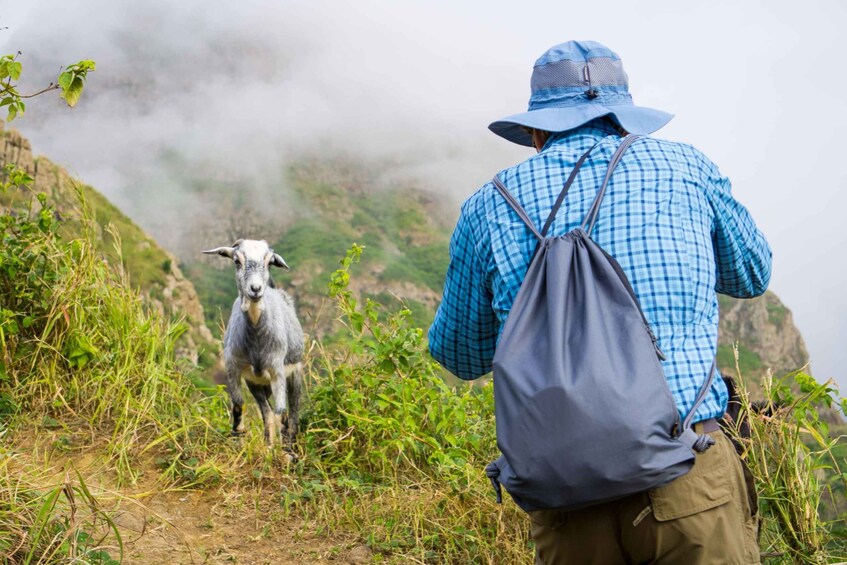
(742, 255)
(464, 333)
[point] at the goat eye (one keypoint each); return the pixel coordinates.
(237, 263)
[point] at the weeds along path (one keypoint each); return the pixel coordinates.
(228, 523)
(111, 450)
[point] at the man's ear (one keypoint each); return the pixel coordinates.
(278, 261)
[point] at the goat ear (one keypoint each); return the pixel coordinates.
(223, 251)
(278, 261)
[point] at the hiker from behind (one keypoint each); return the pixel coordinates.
(586, 278)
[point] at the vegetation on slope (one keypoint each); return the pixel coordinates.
(389, 454)
(147, 266)
(797, 465)
(84, 359)
(334, 204)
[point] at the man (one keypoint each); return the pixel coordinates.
(671, 222)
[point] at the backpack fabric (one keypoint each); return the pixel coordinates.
(583, 412)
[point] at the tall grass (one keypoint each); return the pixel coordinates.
(394, 452)
(82, 358)
(793, 458)
(78, 346)
(44, 521)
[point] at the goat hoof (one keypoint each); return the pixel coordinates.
(289, 457)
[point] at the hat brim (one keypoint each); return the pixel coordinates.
(634, 119)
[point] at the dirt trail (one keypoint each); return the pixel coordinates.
(209, 527)
(241, 524)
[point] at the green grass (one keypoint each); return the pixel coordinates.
(749, 362)
(80, 353)
(776, 314)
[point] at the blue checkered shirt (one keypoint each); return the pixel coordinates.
(668, 218)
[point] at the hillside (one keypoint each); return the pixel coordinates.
(764, 330)
(406, 231)
(332, 204)
(151, 269)
(328, 205)
(106, 435)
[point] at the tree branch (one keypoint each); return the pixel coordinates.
(48, 89)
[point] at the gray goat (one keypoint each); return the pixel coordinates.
(263, 342)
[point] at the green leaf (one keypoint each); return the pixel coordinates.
(356, 321)
(65, 80)
(15, 70)
(72, 93)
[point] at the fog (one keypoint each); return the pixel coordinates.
(192, 94)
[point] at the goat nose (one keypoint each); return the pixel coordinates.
(255, 287)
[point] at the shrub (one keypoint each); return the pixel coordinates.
(404, 451)
(795, 463)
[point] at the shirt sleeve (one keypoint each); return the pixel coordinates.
(742, 254)
(464, 332)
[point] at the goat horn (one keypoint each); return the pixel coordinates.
(223, 251)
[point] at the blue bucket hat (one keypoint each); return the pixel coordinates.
(572, 84)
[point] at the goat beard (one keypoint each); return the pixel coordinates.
(253, 308)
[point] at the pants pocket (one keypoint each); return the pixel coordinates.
(707, 485)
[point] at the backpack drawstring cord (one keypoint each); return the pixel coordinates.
(493, 472)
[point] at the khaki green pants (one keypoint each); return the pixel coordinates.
(705, 516)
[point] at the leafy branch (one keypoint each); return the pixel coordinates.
(70, 82)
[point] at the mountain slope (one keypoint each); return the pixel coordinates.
(149, 267)
(331, 205)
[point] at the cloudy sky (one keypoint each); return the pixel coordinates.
(235, 90)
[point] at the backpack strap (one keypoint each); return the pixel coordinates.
(562, 194)
(516, 206)
(522, 213)
(591, 217)
(688, 436)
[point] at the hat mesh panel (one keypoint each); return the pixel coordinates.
(603, 71)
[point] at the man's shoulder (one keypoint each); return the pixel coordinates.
(480, 203)
(674, 152)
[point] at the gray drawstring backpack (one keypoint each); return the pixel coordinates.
(583, 411)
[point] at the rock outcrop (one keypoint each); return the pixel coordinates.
(765, 328)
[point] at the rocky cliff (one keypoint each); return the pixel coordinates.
(765, 333)
(150, 268)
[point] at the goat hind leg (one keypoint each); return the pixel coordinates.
(294, 385)
(280, 401)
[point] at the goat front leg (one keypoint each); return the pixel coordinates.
(236, 401)
(262, 393)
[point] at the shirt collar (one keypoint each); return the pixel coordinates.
(582, 137)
